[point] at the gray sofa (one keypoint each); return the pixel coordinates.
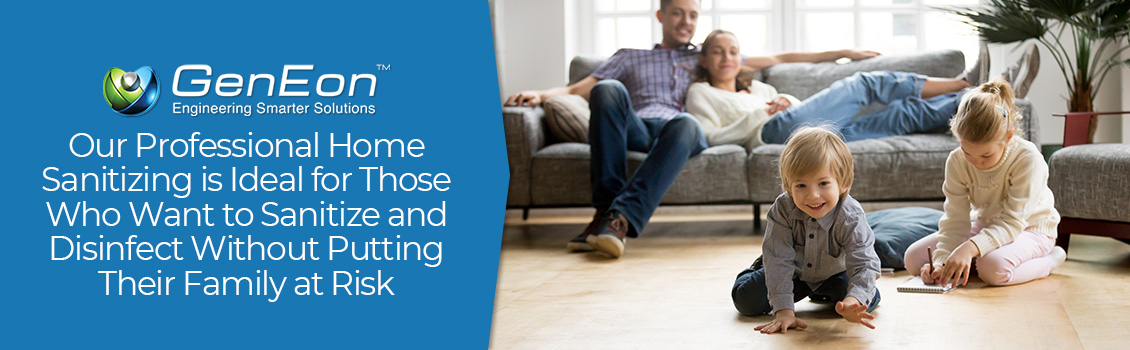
(1091, 183)
(548, 173)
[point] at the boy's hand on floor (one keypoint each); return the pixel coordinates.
(784, 320)
(854, 312)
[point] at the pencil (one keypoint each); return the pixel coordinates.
(930, 260)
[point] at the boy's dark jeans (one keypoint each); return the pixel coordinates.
(751, 296)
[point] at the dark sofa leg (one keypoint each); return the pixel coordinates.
(1062, 240)
(756, 217)
(525, 214)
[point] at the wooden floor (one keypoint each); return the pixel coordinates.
(671, 290)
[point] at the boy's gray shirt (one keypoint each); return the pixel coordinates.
(811, 250)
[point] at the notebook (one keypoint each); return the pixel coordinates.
(915, 285)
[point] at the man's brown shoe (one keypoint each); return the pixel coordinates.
(610, 238)
(581, 242)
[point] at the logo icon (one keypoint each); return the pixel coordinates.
(131, 93)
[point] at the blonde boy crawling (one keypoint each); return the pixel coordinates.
(817, 242)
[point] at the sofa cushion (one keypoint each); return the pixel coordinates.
(717, 175)
(1092, 181)
(805, 79)
(896, 229)
(582, 66)
(567, 118)
(889, 168)
(1029, 126)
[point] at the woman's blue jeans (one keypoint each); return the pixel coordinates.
(906, 111)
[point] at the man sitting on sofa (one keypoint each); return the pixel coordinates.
(636, 101)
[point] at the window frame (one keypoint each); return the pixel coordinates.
(785, 22)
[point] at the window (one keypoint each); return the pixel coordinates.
(773, 26)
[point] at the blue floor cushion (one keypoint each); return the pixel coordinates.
(896, 229)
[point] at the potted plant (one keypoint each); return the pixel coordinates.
(1098, 30)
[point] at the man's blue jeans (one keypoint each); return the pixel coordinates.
(751, 295)
(614, 129)
(906, 111)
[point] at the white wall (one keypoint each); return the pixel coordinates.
(534, 39)
(1125, 99)
(496, 30)
(1110, 100)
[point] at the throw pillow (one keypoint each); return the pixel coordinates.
(567, 118)
(896, 229)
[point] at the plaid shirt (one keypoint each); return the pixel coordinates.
(656, 79)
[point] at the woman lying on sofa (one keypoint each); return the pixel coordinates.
(743, 111)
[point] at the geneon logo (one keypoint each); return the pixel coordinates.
(131, 93)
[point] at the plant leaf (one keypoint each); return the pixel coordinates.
(1113, 18)
(1003, 21)
(1083, 57)
(1062, 10)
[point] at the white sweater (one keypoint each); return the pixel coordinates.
(732, 117)
(1010, 197)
